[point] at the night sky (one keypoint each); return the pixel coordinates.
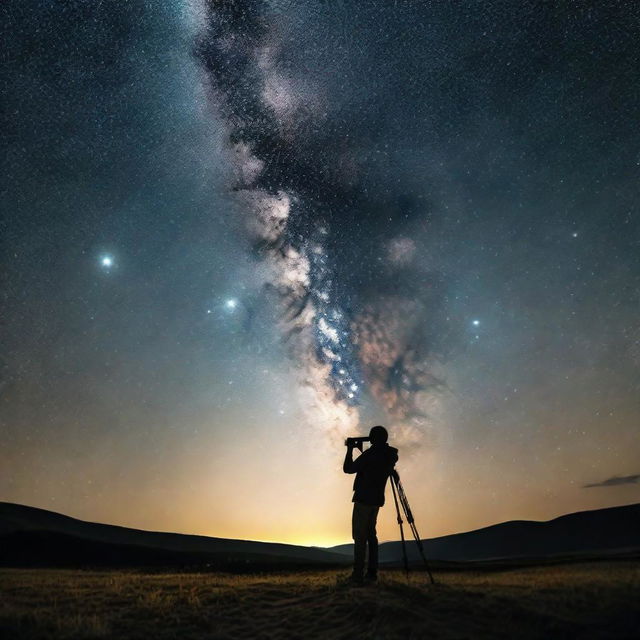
(235, 232)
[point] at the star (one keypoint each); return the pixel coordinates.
(231, 304)
(476, 323)
(106, 261)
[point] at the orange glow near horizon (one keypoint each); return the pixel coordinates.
(297, 494)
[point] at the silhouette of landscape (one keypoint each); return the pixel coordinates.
(610, 531)
(36, 537)
(577, 576)
(31, 537)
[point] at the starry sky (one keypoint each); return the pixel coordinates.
(235, 232)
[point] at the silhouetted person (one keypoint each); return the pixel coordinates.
(372, 468)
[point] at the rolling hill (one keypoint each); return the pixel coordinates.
(36, 537)
(601, 531)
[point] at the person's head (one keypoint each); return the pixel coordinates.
(378, 435)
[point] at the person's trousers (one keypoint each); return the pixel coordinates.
(363, 525)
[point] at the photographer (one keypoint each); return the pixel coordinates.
(372, 468)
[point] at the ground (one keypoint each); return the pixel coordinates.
(591, 600)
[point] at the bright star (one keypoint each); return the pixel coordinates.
(476, 323)
(106, 262)
(231, 304)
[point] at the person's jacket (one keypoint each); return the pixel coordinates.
(372, 468)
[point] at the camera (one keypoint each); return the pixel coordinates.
(356, 443)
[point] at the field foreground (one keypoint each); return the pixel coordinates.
(590, 600)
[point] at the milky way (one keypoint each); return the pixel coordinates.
(359, 315)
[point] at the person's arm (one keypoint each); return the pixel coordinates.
(350, 465)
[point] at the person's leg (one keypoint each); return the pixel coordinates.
(359, 526)
(372, 542)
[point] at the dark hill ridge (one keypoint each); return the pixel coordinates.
(36, 537)
(53, 549)
(614, 529)
(24, 531)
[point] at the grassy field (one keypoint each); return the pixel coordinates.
(591, 600)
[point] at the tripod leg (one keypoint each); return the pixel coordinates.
(409, 516)
(421, 551)
(404, 546)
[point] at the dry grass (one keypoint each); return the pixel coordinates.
(596, 600)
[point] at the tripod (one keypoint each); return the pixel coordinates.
(400, 500)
